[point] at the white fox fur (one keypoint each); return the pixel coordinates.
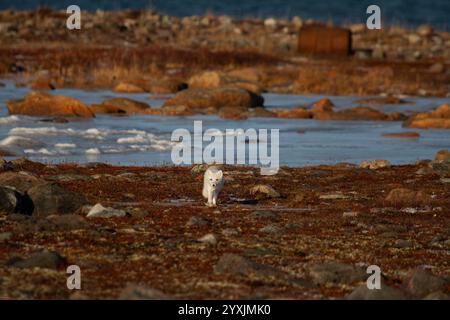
(212, 184)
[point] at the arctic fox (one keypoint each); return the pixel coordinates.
(212, 184)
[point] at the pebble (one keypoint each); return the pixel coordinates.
(5, 236)
(98, 211)
(264, 214)
(272, 229)
(209, 238)
(403, 244)
(198, 221)
(264, 190)
(350, 214)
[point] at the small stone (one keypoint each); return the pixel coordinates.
(5, 236)
(272, 229)
(374, 164)
(424, 30)
(414, 38)
(297, 22)
(270, 23)
(334, 196)
(98, 211)
(442, 155)
(137, 212)
(264, 214)
(209, 239)
(402, 244)
(264, 191)
(378, 53)
(196, 221)
(350, 214)
(437, 68)
(199, 168)
(230, 232)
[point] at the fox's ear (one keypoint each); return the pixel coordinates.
(220, 174)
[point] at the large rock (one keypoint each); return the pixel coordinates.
(334, 272)
(211, 100)
(165, 85)
(121, 106)
(359, 114)
(216, 79)
(385, 293)
(323, 110)
(230, 263)
(13, 201)
(442, 155)
(438, 119)
(295, 113)
(50, 199)
(43, 104)
(233, 113)
(124, 87)
(382, 100)
(44, 259)
(422, 282)
(21, 180)
(403, 196)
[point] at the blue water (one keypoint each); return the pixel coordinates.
(145, 140)
(407, 13)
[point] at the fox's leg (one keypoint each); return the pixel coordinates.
(210, 198)
(214, 199)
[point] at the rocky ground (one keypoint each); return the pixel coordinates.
(155, 53)
(305, 233)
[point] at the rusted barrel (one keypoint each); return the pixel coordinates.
(319, 39)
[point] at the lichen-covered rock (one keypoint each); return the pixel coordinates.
(438, 119)
(404, 196)
(124, 87)
(43, 104)
(210, 100)
(19, 180)
(121, 106)
(50, 199)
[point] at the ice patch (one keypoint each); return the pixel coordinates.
(150, 139)
(21, 142)
(93, 151)
(92, 133)
(65, 145)
(8, 120)
(43, 151)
